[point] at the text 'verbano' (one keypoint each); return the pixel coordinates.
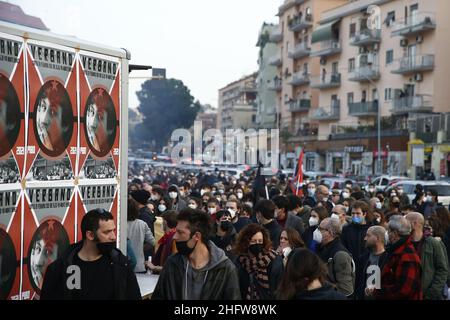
(8, 201)
(97, 194)
(52, 58)
(9, 50)
(46, 198)
(99, 68)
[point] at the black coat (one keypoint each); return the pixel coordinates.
(274, 271)
(352, 238)
(275, 231)
(55, 282)
(326, 292)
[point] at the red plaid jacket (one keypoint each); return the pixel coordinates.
(401, 275)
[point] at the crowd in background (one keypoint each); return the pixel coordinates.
(270, 241)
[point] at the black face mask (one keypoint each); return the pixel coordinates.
(183, 248)
(106, 247)
(256, 248)
(226, 225)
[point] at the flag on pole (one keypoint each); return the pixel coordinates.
(298, 178)
(259, 185)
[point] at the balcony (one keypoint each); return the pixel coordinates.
(417, 103)
(276, 35)
(365, 37)
(300, 78)
(414, 64)
(301, 50)
(363, 109)
(300, 22)
(300, 105)
(369, 134)
(324, 115)
(326, 48)
(365, 74)
(276, 60)
(414, 24)
(306, 134)
(276, 85)
(326, 81)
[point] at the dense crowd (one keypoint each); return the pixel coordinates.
(211, 235)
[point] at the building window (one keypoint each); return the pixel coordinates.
(351, 65)
(387, 94)
(350, 97)
(352, 30)
(389, 56)
(390, 19)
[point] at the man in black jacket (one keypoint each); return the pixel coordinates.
(92, 269)
(199, 270)
(265, 214)
(284, 218)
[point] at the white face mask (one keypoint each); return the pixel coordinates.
(345, 195)
(212, 210)
(202, 192)
(378, 205)
(221, 191)
(192, 206)
(393, 194)
(378, 220)
(154, 197)
(311, 192)
(317, 236)
(286, 251)
(400, 191)
(219, 199)
(162, 208)
(429, 199)
(386, 238)
(239, 195)
(313, 222)
(250, 204)
(173, 195)
(182, 193)
(371, 190)
(232, 212)
(335, 216)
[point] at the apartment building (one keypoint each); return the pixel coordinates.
(362, 69)
(237, 108)
(266, 100)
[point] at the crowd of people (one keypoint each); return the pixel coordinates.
(58, 171)
(9, 173)
(217, 236)
(105, 171)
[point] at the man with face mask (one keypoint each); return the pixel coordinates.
(199, 270)
(239, 222)
(341, 268)
(265, 214)
(310, 198)
(93, 269)
(224, 233)
(141, 197)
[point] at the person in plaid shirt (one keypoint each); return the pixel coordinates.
(401, 275)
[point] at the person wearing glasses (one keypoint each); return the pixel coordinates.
(259, 266)
(341, 267)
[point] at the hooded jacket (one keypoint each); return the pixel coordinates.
(217, 280)
(55, 282)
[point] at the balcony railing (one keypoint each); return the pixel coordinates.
(276, 85)
(414, 64)
(326, 81)
(368, 135)
(300, 78)
(324, 115)
(301, 50)
(326, 48)
(418, 103)
(276, 35)
(363, 109)
(416, 23)
(306, 134)
(275, 60)
(365, 73)
(299, 23)
(300, 105)
(365, 37)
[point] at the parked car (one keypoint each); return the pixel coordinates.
(336, 182)
(442, 188)
(382, 182)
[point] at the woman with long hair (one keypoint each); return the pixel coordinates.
(259, 267)
(304, 278)
(289, 240)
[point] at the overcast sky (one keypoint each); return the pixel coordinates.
(204, 43)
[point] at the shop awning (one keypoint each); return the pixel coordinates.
(324, 32)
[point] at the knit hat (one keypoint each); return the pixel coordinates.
(141, 196)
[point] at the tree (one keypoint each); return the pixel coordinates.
(165, 105)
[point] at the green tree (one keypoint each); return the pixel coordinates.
(165, 105)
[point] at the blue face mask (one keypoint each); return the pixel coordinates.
(357, 220)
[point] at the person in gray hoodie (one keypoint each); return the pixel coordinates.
(199, 270)
(178, 203)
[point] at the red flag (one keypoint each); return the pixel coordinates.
(299, 175)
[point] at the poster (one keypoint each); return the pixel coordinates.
(60, 111)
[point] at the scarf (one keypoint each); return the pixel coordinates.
(166, 236)
(257, 269)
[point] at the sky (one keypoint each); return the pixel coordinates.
(205, 43)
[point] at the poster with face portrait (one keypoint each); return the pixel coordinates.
(52, 119)
(48, 231)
